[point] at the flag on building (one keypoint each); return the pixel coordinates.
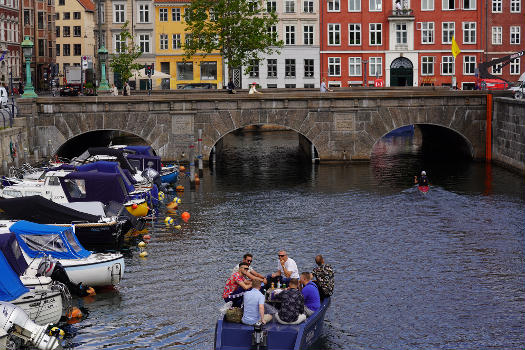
(455, 48)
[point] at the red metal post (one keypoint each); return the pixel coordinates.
(488, 130)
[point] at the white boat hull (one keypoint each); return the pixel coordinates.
(42, 306)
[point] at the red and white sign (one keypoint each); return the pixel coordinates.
(378, 82)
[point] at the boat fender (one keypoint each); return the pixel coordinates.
(143, 254)
(142, 244)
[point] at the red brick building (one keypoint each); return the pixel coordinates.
(10, 52)
(408, 42)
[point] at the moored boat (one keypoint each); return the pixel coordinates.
(237, 336)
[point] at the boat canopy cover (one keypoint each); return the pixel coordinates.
(43, 211)
(103, 166)
(118, 153)
(57, 241)
(142, 162)
(64, 166)
(10, 285)
(12, 252)
(94, 187)
(142, 150)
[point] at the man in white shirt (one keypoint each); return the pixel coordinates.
(286, 269)
(251, 274)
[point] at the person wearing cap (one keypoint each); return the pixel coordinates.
(421, 180)
(253, 89)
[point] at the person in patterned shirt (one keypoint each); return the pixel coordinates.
(324, 277)
(236, 285)
(292, 304)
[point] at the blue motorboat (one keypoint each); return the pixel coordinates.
(237, 336)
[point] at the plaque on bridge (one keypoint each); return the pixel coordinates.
(182, 124)
(344, 121)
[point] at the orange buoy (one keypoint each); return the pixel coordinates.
(182, 168)
(179, 188)
(91, 291)
(74, 313)
(185, 216)
(146, 237)
(172, 205)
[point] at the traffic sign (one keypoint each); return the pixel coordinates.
(378, 82)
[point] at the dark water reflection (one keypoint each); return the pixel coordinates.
(438, 271)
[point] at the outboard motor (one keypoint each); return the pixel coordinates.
(259, 337)
(14, 321)
(51, 267)
(153, 176)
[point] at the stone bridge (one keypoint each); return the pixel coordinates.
(342, 125)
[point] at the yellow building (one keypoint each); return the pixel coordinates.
(170, 34)
(74, 21)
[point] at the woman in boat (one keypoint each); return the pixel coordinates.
(422, 180)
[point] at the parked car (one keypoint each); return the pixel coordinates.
(4, 97)
(492, 84)
(196, 86)
(518, 90)
(69, 91)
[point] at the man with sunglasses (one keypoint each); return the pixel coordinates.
(286, 268)
(251, 274)
(236, 285)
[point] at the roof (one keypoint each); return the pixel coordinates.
(89, 5)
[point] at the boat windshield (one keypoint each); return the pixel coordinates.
(75, 187)
(47, 243)
(72, 241)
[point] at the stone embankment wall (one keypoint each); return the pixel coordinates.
(508, 133)
(17, 137)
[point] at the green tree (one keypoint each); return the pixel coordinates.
(240, 30)
(123, 62)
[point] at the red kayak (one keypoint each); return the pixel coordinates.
(423, 189)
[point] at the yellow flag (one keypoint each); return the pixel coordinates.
(455, 48)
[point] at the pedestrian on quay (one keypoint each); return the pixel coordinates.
(114, 90)
(324, 87)
(126, 90)
(231, 87)
(253, 89)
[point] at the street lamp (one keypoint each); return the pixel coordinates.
(365, 62)
(102, 56)
(27, 48)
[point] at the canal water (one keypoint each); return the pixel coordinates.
(443, 270)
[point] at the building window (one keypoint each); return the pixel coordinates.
(119, 44)
(375, 65)
(185, 70)
(144, 13)
(175, 41)
(427, 32)
(469, 4)
(354, 67)
(28, 18)
(40, 20)
(57, 16)
(163, 15)
(333, 6)
(289, 86)
(515, 32)
(175, 14)
(57, 30)
(289, 6)
(334, 34)
(119, 13)
(289, 68)
(309, 68)
(308, 35)
(271, 86)
(448, 32)
(163, 41)
(61, 2)
(497, 69)
(272, 31)
(376, 5)
(354, 5)
(308, 6)
(209, 70)
(67, 50)
(144, 43)
(334, 66)
(497, 35)
(102, 14)
(515, 6)
(449, 4)
(469, 65)
(447, 65)
(272, 67)
(76, 15)
(67, 31)
(77, 31)
(67, 16)
(515, 66)
(401, 34)
(289, 35)
(254, 69)
(469, 32)
(427, 5)
(77, 49)
(354, 34)
(375, 33)
(427, 65)
(271, 6)
(58, 49)
(187, 39)
(496, 6)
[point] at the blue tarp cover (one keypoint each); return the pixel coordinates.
(10, 285)
(101, 187)
(9, 246)
(145, 161)
(37, 239)
(142, 150)
(107, 167)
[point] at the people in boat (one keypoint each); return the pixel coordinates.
(236, 285)
(421, 180)
(253, 301)
(312, 300)
(324, 277)
(286, 269)
(251, 274)
(292, 304)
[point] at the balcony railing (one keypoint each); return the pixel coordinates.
(402, 13)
